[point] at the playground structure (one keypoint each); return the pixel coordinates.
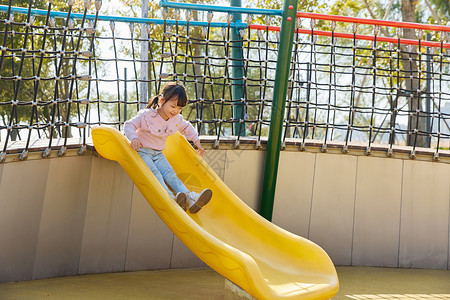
(330, 107)
(341, 86)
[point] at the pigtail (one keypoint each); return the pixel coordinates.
(153, 103)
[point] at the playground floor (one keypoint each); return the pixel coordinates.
(356, 283)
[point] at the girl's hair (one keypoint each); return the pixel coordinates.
(170, 91)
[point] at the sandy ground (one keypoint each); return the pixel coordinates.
(355, 282)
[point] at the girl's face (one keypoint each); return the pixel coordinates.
(168, 109)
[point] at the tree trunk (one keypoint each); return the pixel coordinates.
(410, 68)
(196, 35)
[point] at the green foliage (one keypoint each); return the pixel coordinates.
(42, 66)
(443, 9)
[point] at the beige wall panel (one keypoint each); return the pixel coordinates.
(149, 239)
(377, 212)
(333, 204)
(292, 205)
(1, 172)
(89, 217)
(425, 215)
(216, 159)
(243, 175)
(22, 191)
(183, 257)
(107, 218)
(62, 222)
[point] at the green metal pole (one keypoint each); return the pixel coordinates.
(278, 107)
(237, 71)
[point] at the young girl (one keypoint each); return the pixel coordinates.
(148, 132)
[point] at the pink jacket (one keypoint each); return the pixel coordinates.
(152, 130)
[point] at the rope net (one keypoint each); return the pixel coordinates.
(61, 74)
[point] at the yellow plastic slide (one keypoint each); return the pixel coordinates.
(263, 259)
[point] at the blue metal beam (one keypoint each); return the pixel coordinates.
(227, 9)
(237, 72)
(59, 14)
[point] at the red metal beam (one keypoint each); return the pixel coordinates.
(358, 36)
(373, 22)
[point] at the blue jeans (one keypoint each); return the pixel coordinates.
(163, 171)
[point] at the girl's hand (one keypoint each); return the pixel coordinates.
(136, 144)
(200, 149)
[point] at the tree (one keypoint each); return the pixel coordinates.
(432, 11)
(30, 95)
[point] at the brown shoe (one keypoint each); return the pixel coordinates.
(180, 198)
(196, 201)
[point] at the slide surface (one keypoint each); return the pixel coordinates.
(260, 257)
